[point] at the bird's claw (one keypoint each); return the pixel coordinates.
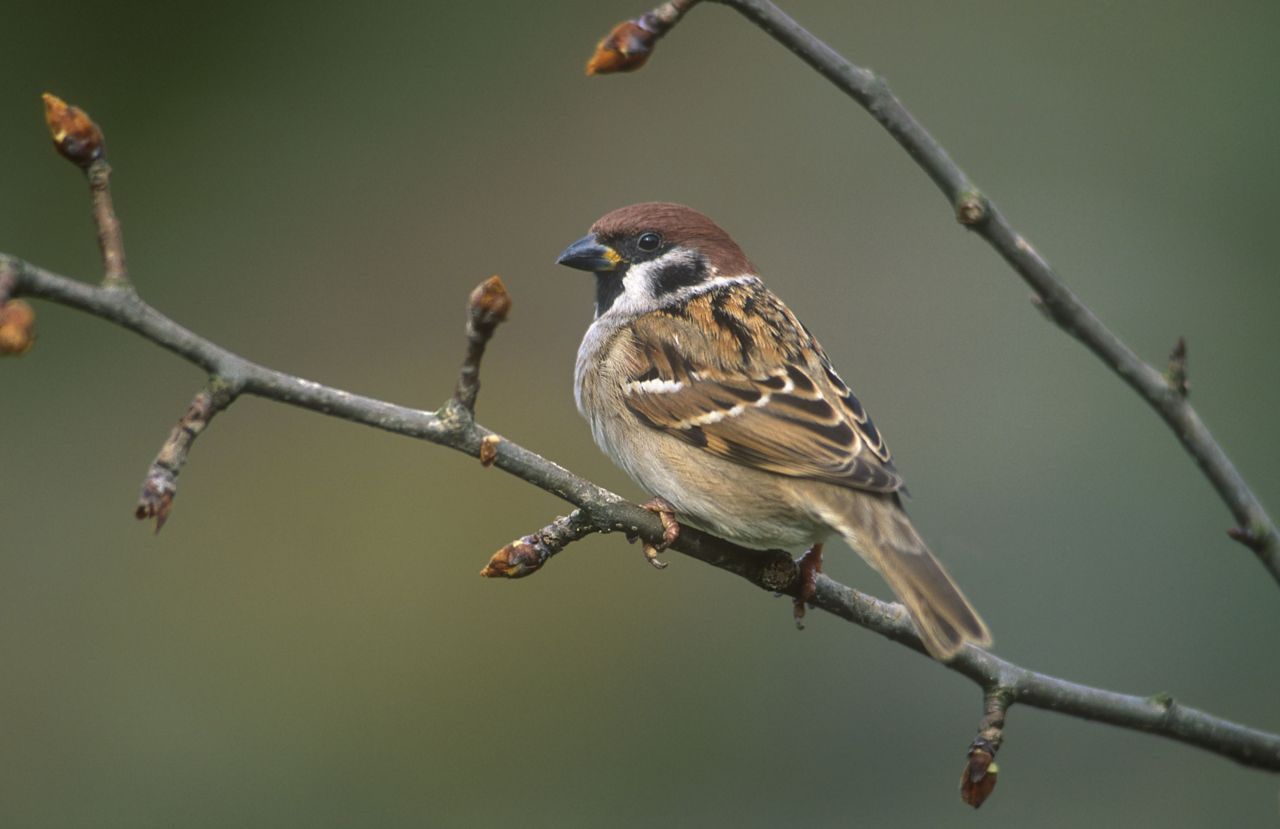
(651, 556)
(670, 530)
(809, 566)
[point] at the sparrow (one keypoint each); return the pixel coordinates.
(704, 387)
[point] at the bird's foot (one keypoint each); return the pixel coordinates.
(809, 566)
(670, 529)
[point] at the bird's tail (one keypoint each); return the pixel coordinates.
(879, 529)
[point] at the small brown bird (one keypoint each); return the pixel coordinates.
(707, 390)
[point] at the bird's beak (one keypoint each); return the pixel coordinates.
(587, 254)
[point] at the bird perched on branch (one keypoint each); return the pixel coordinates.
(706, 389)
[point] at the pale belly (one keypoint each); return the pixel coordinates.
(746, 506)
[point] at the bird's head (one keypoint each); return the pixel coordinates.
(652, 254)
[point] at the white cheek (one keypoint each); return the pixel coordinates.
(637, 286)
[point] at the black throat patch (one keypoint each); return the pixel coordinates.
(608, 289)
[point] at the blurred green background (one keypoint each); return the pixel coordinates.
(318, 187)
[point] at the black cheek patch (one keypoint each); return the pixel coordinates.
(679, 275)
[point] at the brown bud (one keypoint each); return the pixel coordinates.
(625, 49)
(17, 327)
(490, 303)
(979, 778)
(520, 558)
(489, 449)
(971, 209)
(156, 498)
(155, 502)
(75, 135)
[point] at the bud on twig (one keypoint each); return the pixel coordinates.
(979, 779)
(1176, 374)
(971, 208)
(489, 449)
(520, 558)
(75, 135)
(980, 771)
(627, 47)
(526, 555)
(161, 484)
(80, 141)
(489, 305)
(17, 328)
(156, 499)
(1255, 538)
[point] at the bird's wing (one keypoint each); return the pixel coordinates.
(735, 374)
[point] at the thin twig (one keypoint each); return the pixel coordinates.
(110, 236)
(79, 140)
(526, 555)
(980, 770)
(161, 482)
(487, 308)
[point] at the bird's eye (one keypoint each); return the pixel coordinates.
(649, 241)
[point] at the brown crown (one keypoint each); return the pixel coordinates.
(678, 225)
